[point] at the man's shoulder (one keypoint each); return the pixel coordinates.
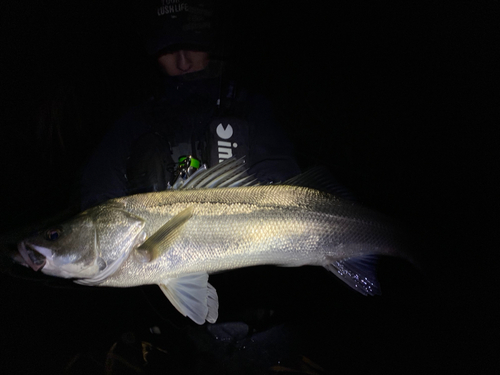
(137, 111)
(133, 120)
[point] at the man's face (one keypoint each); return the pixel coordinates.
(182, 61)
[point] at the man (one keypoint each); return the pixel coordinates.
(200, 113)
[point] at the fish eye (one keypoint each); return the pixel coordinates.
(52, 234)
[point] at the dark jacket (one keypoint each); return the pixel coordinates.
(201, 117)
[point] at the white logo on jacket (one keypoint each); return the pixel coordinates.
(225, 147)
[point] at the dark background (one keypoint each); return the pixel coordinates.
(400, 102)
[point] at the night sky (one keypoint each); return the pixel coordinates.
(400, 103)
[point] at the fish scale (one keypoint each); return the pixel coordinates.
(241, 227)
(176, 238)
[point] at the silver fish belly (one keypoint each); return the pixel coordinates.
(247, 226)
(178, 237)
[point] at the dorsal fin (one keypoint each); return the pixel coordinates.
(320, 178)
(230, 173)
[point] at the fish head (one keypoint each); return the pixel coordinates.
(90, 246)
(66, 250)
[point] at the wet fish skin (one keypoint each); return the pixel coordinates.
(177, 238)
(247, 226)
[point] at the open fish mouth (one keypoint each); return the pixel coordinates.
(32, 257)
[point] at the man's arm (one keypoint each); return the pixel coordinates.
(104, 177)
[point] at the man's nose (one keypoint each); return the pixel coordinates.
(184, 62)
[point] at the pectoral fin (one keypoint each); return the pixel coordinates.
(193, 296)
(161, 240)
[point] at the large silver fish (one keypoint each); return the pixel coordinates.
(178, 237)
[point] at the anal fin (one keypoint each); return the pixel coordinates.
(359, 273)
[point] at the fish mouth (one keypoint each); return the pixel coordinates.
(32, 257)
